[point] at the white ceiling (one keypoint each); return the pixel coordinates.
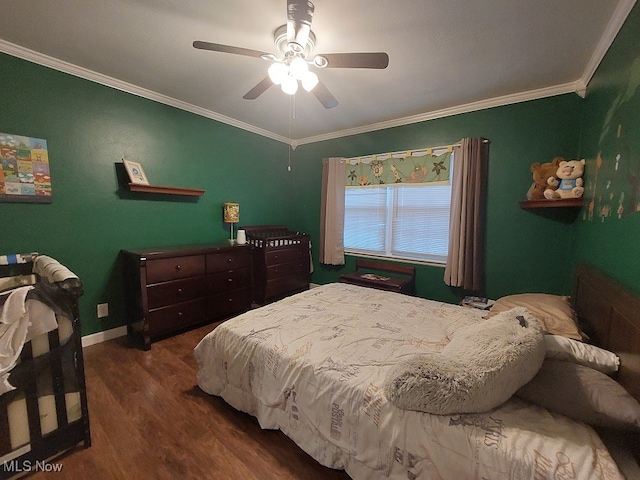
(446, 56)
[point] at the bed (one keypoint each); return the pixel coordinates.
(43, 406)
(315, 365)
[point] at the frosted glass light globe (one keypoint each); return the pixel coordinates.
(289, 85)
(278, 72)
(309, 81)
(298, 68)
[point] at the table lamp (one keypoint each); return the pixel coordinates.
(231, 214)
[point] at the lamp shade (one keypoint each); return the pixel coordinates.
(231, 212)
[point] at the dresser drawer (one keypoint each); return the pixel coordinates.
(284, 269)
(174, 317)
(225, 304)
(223, 261)
(293, 254)
(285, 285)
(164, 269)
(228, 281)
(176, 291)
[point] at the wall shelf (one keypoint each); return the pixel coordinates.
(192, 192)
(559, 203)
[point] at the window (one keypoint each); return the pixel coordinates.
(405, 222)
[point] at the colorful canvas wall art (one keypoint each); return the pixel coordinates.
(24, 169)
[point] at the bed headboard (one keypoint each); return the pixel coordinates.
(610, 315)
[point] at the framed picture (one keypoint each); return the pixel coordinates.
(24, 169)
(135, 171)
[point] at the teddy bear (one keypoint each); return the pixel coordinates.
(569, 183)
(544, 177)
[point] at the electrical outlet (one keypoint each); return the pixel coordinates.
(103, 310)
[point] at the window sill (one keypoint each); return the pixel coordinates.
(394, 259)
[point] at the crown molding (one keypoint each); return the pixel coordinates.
(85, 73)
(572, 87)
(579, 87)
(615, 24)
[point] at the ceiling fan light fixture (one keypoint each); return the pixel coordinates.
(296, 42)
(289, 85)
(278, 72)
(298, 68)
(309, 81)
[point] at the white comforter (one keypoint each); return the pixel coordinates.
(313, 365)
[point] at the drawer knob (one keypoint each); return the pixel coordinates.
(229, 259)
(229, 279)
(178, 267)
(179, 314)
(179, 291)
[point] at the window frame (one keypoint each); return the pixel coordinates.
(390, 208)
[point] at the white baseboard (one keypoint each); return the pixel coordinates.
(100, 337)
(314, 285)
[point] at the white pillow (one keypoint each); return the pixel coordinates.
(583, 394)
(563, 348)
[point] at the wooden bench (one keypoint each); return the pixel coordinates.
(395, 277)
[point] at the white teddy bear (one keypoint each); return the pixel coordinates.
(569, 181)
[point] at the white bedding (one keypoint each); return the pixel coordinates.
(313, 365)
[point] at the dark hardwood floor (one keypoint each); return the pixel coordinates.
(149, 419)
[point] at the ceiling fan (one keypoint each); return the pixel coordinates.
(295, 42)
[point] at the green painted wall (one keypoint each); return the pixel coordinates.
(526, 249)
(609, 238)
(89, 128)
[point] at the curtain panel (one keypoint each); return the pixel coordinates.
(332, 212)
(467, 227)
(408, 169)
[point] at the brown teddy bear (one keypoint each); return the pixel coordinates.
(544, 178)
(569, 183)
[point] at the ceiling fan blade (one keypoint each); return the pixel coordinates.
(259, 89)
(324, 95)
(377, 60)
(217, 47)
(299, 16)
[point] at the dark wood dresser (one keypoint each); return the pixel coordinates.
(170, 289)
(281, 262)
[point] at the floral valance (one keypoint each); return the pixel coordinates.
(398, 170)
